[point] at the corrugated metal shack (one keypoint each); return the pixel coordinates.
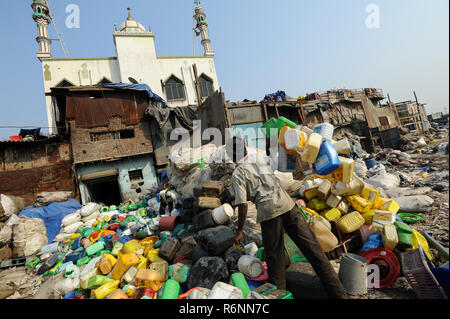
(358, 111)
(110, 141)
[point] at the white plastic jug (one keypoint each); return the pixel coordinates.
(222, 290)
(250, 266)
(342, 146)
(251, 249)
(326, 130)
(221, 215)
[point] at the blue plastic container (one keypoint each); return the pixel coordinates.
(77, 242)
(370, 162)
(74, 256)
(124, 239)
(373, 241)
(327, 160)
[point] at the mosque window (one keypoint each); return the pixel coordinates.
(174, 89)
(206, 87)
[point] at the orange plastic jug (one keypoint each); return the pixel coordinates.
(124, 263)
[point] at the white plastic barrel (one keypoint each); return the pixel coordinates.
(222, 290)
(222, 214)
(353, 274)
(250, 266)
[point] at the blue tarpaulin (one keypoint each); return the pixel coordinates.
(52, 215)
(139, 87)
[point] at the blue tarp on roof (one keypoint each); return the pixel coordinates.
(139, 87)
(52, 215)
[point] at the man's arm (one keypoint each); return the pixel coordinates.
(242, 216)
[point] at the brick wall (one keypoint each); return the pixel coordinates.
(86, 150)
(49, 170)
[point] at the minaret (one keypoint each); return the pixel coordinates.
(41, 14)
(202, 26)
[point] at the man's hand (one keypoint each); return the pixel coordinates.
(238, 237)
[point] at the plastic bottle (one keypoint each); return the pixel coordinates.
(327, 159)
(238, 280)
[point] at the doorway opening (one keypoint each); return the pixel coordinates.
(105, 191)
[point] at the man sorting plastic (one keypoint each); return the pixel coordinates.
(254, 181)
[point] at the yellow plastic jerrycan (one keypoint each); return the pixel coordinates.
(359, 203)
(311, 193)
(123, 264)
(390, 205)
(153, 256)
(419, 240)
(104, 290)
(348, 167)
(132, 246)
(111, 258)
(350, 222)
(371, 194)
(368, 216)
(332, 214)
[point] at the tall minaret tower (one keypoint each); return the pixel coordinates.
(41, 15)
(202, 26)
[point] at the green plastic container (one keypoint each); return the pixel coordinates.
(112, 207)
(261, 254)
(272, 123)
(410, 218)
(100, 253)
(298, 259)
(238, 280)
(116, 248)
(405, 235)
(171, 290)
(83, 261)
(93, 249)
(132, 207)
(179, 272)
(33, 262)
(291, 249)
(282, 121)
(104, 209)
(141, 234)
(280, 294)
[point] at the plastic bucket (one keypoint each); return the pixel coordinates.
(250, 266)
(353, 274)
(221, 215)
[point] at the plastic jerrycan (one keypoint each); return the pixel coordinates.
(93, 249)
(238, 280)
(171, 290)
(104, 290)
(327, 159)
(123, 264)
(325, 129)
(350, 222)
(348, 167)
(312, 148)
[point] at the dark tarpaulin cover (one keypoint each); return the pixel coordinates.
(139, 87)
(52, 215)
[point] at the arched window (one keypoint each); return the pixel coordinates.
(206, 87)
(174, 88)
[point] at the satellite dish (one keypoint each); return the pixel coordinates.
(133, 80)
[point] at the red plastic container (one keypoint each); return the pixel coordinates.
(169, 222)
(114, 227)
(388, 263)
(144, 292)
(15, 138)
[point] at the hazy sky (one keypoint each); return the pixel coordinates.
(261, 46)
